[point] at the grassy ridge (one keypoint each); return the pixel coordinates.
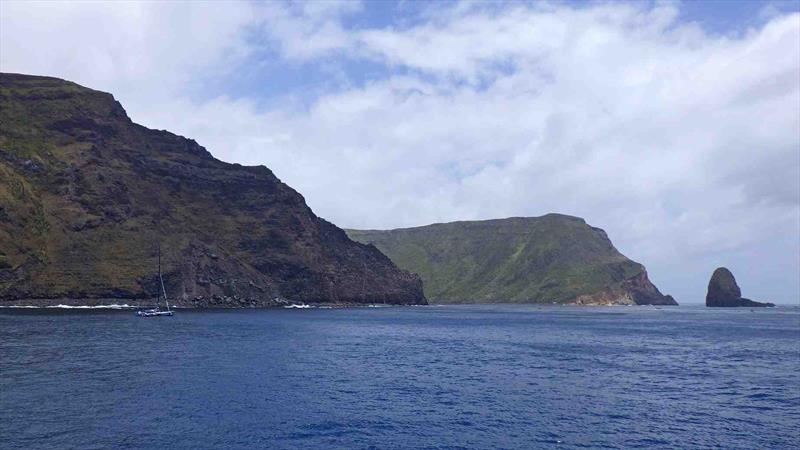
(553, 258)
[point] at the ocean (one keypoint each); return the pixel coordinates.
(435, 377)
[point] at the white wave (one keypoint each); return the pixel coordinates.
(300, 306)
(61, 306)
(113, 306)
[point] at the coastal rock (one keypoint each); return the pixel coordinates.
(550, 259)
(723, 291)
(636, 290)
(86, 195)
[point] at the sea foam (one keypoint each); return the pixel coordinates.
(61, 306)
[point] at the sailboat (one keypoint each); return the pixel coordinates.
(157, 311)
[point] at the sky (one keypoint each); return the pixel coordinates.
(674, 126)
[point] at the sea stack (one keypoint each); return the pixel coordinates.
(724, 292)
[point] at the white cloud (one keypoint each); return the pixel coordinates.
(304, 31)
(683, 145)
(139, 48)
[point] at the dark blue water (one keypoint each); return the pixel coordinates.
(413, 377)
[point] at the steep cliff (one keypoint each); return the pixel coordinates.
(86, 195)
(549, 259)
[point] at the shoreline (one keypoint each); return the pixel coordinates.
(133, 304)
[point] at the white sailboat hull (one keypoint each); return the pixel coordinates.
(157, 312)
(153, 313)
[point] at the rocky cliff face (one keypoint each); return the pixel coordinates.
(86, 195)
(549, 259)
(636, 290)
(723, 291)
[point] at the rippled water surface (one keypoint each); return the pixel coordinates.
(409, 377)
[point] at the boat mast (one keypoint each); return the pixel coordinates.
(160, 278)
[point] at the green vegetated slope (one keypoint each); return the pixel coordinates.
(86, 195)
(549, 259)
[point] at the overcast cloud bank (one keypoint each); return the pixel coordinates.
(683, 144)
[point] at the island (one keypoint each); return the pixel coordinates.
(554, 258)
(723, 292)
(87, 196)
